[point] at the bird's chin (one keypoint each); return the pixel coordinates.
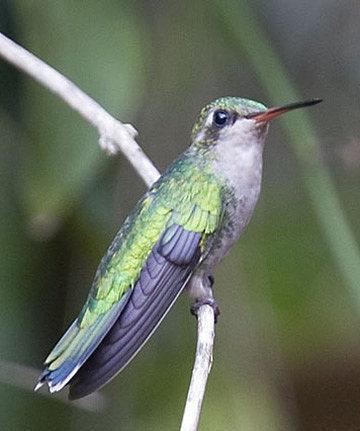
(262, 128)
(263, 125)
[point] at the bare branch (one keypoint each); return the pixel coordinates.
(114, 135)
(201, 369)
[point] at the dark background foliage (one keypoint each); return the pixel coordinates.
(287, 350)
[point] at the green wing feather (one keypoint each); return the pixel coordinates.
(185, 195)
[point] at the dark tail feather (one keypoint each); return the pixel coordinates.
(161, 281)
(128, 335)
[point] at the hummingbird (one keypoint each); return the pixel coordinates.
(172, 241)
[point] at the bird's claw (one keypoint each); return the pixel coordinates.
(194, 309)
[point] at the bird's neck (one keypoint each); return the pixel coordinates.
(241, 167)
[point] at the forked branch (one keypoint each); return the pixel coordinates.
(114, 135)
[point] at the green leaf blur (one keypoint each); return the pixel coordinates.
(287, 344)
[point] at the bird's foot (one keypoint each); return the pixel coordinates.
(194, 309)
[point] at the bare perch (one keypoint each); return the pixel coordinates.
(201, 369)
(114, 137)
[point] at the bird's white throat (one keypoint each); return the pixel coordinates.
(239, 156)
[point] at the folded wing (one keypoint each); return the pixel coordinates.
(167, 269)
(144, 270)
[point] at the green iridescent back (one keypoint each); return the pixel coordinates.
(187, 195)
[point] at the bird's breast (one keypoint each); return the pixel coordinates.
(242, 179)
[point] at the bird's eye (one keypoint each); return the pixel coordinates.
(221, 118)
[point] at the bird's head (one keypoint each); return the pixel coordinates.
(237, 121)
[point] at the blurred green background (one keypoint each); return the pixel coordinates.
(287, 354)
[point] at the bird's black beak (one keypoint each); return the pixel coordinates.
(272, 113)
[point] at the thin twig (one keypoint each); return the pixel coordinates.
(114, 137)
(201, 369)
